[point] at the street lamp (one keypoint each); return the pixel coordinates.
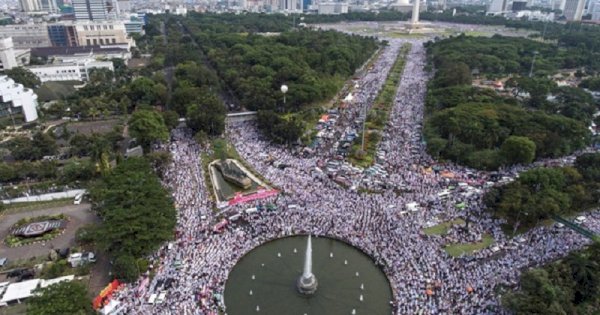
(535, 53)
(284, 89)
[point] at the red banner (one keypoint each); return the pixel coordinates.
(261, 194)
(105, 294)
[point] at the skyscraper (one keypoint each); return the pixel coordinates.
(93, 10)
(30, 5)
(574, 9)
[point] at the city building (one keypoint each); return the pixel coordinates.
(497, 6)
(92, 33)
(11, 57)
(333, 8)
(62, 35)
(519, 6)
(16, 99)
(93, 10)
(78, 70)
(81, 53)
(29, 6)
(574, 10)
(402, 6)
(26, 35)
(7, 54)
(38, 6)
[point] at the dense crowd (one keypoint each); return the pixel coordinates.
(424, 278)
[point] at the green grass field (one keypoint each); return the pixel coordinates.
(50, 91)
(442, 228)
(456, 250)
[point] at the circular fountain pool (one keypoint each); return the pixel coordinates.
(264, 281)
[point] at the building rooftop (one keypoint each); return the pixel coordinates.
(71, 51)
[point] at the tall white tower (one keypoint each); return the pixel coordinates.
(415, 12)
(7, 53)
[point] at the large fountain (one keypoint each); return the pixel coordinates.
(276, 279)
(307, 283)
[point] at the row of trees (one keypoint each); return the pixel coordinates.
(137, 212)
(543, 192)
(253, 66)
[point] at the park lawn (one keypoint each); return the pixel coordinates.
(456, 250)
(442, 228)
(50, 91)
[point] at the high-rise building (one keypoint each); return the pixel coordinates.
(574, 9)
(497, 6)
(49, 6)
(30, 5)
(93, 10)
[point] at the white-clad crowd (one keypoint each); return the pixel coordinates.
(424, 278)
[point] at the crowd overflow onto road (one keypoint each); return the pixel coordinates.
(388, 225)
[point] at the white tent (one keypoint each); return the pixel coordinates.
(46, 283)
(20, 290)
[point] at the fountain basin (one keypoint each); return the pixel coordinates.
(275, 285)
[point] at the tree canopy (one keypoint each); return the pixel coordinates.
(541, 193)
(59, 299)
(137, 212)
(23, 76)
(148, 126)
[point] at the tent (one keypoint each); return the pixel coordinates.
(20, 290)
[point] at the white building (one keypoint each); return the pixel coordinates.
(574, 10)
(69, 71)
(333, 8)
(15, 98)
(7, 53)
(497, 6)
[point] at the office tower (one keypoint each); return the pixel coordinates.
(498, 6)
(574, 9)
(93, 10)
(30, 5)
(49, 6)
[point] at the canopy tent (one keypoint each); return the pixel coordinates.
(20, 290)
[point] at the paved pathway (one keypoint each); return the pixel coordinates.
(79, 216)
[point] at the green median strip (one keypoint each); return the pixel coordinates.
(379, 113)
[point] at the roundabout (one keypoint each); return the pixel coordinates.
(272, 279)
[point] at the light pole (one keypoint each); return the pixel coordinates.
(284, 89)
(535, 53)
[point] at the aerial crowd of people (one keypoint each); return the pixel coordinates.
(425, 279)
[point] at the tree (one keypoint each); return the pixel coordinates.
(518, 150)
(148, 126)
(125, 268)
(207, 114)
(59, 299)
(138, 214)
(23, 76)
(171, 119)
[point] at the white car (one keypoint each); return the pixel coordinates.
(580, 219)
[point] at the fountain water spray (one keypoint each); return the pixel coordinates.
(307, 283)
